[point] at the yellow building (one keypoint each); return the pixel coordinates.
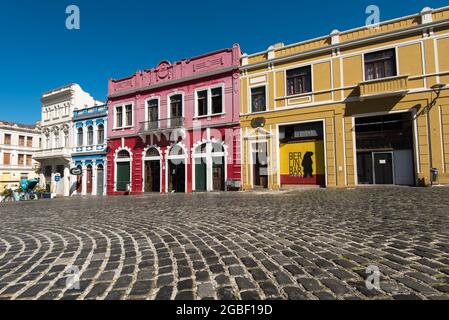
(364, 106)
(18, 144)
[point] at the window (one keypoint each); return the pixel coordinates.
(381, 64)
(176, 106)
(299, 80)
(202, 103)
(80, 137)
(123, 155)
(66, 139)
(24, 176)
(6, 158)
(21, 160)
(119, 117)
(100, 137)
(90, 136)
(56, 135)
(21, 141)
(129, 115)
(217, 100)
(258, 99)
(30, 142)
(29, 160)
(153, 110)
(47, 141)
(7, 139)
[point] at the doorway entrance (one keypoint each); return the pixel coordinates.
(260, 165)
(385, 149)
(176, 165)
(152, 176)
(79, 182)
(89, 174)
(123, 175)
(209, 168)
(100, 180)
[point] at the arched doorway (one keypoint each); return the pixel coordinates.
(123, 171)
(79, 182)
(152, 173)
(176, 167)
(89, 179)
(100, 180)
(209, 168)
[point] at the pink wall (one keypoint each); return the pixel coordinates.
(219, 67)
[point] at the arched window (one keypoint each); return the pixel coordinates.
(66, 138)
(47, 141)
(56, 138)
(100, 134)
(153, 152)
(90, 136)
(123, 155)
(176, 151)
(80, 137)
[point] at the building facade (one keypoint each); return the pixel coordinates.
(175, 128)
(18, 145)
(360, 107)
(58, 140)
(89, 154)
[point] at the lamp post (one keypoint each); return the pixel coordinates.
(437, 90)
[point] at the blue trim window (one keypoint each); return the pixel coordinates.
(80, 137)
(100, 134)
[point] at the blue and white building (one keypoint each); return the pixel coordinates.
(89, 154)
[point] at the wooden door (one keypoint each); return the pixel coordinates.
(218, 175)
(89, 180)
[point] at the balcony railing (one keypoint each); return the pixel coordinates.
(384, 87)
(53, 153)
(161, 125)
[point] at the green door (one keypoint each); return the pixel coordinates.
(200, 175)
(123, 175)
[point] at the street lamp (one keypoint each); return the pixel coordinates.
(436, 88)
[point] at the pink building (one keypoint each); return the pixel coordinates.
(175, 128)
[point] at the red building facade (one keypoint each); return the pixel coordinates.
(175, 128)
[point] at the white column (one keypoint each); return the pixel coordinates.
(66, 180)
(94, 179)
(84, 188)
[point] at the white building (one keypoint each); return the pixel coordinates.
(18, 145)
(58, 138)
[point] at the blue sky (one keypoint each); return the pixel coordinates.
(117, 37)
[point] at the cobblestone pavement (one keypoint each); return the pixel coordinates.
(313, 244)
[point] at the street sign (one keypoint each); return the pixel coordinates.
(57, 177)
(76, 171)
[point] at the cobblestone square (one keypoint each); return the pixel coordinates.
(314, 244)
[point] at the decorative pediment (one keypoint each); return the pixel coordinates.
(258, 133)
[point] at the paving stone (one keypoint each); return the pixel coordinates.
(185, 296)
(310, 284)
(164, 293)
(226, 293)
(335, 286)
(205, 290)
(250, 295)
(185, 285)
(283, 279)
(244, 283)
